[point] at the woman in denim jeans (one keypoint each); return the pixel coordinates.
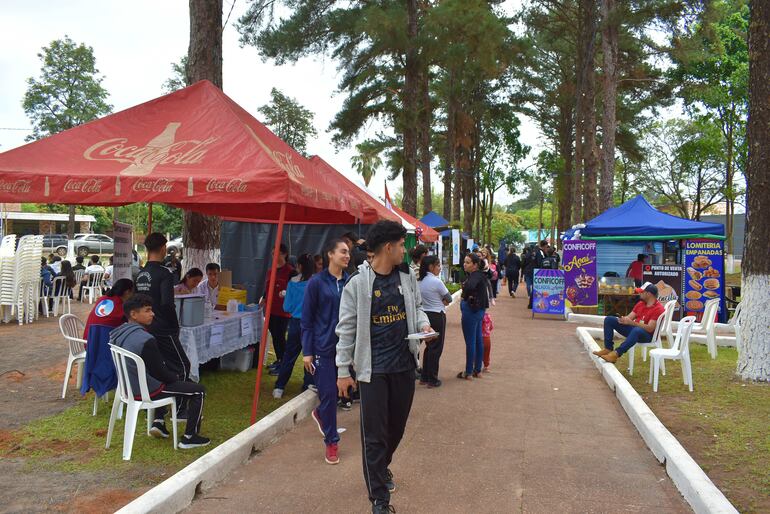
(475, 301)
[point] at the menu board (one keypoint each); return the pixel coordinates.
(548, 292)
(668, 279)
(579, 264)
(704, 264)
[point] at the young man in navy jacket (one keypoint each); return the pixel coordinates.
(320, 313)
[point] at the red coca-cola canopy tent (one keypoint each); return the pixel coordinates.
(194, 148)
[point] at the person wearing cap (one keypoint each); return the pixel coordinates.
(637, 327)
(636, 269)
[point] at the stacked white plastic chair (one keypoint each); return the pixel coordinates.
(680, 350)
(27, 277)
(8, 289)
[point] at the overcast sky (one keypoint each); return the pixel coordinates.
(135, 43)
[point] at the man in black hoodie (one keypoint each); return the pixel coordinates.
(157, 282)
(162, 382)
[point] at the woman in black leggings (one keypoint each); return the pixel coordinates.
(435, 298)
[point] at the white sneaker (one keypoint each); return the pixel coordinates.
(278, 393)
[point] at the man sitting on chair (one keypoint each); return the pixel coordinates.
(161, 381)
(637, 327)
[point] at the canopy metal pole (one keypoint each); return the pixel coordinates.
(149, 218)
(268, 310)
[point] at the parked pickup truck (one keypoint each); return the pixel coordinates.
(94, 243)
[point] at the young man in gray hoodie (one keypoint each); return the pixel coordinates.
(380, 306)
(162, 382)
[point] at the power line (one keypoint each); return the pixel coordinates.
(11, 128)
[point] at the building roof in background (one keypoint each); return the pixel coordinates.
(45, 216)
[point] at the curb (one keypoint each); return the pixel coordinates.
(178, 491)
(696, 487)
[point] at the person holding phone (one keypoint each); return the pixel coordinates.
(320, 312)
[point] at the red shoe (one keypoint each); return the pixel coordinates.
(317, 418)
(331, 454)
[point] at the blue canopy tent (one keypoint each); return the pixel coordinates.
(638, 220)
(637, 227)
(434, 220)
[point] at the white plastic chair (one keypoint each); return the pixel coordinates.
(655, 342)
(60, 294)
(680, 350)
(735, 324)
(708, 325)
(72, 329)
(125, 394)
(93, 288)
(44, 294)
(668, 326)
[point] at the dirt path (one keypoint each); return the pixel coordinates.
(542, 433)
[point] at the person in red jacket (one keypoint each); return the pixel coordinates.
(279, 319)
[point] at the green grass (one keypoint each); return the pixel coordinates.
(724, 423)
(453, 287)
(73, 440)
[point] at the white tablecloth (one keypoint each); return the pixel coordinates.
(196, 341)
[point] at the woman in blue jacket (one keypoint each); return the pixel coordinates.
(292, 303)
(320, 314)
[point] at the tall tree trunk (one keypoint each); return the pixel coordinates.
(201, 233)
(411, 93)
(449, 150)
(729, 193)
(71, 222)
(565, 178)
(609, 122)
(464, 127)
(590, 152)
(424, 120)
(754, 352)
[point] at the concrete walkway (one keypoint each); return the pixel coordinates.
(541, 433)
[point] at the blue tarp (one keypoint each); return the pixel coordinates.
(433, 220)
(637, 218)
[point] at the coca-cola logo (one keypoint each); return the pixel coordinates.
(235, 185)
(158, 185)
(91, 185)
(281, 159)
(162, 149)
(16, 186)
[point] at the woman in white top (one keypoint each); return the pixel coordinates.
(189, 283)
(435, 298)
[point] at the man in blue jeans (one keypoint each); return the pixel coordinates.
(637, 327)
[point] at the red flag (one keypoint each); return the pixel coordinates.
(388, 201)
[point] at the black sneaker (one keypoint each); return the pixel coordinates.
(389, 483)
(344, 403)
(274, 372)
(194, 441)
(383, 509)
(159, 430)
(432, 385)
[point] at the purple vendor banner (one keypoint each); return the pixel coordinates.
(548, 292)
(579, 264)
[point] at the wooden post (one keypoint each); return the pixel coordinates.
(268, 311)
(149, 218)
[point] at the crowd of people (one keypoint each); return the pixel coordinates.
(367, 325)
